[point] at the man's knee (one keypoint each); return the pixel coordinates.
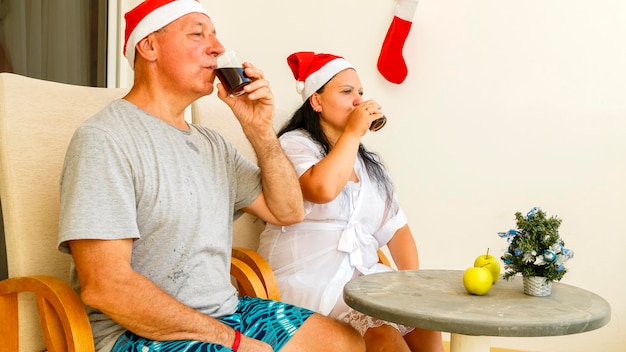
(320, 333)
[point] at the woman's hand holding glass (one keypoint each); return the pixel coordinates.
(374, 114)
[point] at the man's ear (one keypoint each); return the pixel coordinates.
(146, 48)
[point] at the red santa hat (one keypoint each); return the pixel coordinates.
(312, 70)
(152, 15)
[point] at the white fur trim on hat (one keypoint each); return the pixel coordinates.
(157, 19)
(320, 77)
(299, 87)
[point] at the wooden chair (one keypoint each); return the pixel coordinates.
(38, 309)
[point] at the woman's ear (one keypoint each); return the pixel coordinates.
(314, 99)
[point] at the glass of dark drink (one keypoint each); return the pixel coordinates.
(378, 123)
(230, 73)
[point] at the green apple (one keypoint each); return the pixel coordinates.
(490, 262)
(477, 280)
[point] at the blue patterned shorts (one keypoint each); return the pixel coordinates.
(266, 320)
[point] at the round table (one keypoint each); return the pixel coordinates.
(437, 300)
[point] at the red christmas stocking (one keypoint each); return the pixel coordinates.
(390, 61)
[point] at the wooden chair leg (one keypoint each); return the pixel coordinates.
(8, 321)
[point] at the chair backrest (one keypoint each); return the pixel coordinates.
(210, 111)
(37, 120)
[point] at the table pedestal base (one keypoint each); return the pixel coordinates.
(466, 343)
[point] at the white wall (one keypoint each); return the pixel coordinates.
(508, 105)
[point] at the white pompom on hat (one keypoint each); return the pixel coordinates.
(312, 71)
(152, 15)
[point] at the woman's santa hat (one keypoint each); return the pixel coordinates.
(152, 15)
(312, 71)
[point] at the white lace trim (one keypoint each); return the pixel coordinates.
(362, 322)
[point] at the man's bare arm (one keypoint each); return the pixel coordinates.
(281, 190)
(109, 284)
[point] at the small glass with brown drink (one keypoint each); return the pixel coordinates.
(231, 73)
(378, 123)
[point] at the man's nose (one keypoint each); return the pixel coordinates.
(215, 46)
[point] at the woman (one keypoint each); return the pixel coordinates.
(350, 206)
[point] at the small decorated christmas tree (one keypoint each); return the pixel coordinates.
(535, 247)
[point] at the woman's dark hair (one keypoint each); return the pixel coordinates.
(307, 119)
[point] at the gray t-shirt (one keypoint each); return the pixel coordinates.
(128, 174)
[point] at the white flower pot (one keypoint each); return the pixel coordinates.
(537, 286)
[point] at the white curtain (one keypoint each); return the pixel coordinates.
(49, 39)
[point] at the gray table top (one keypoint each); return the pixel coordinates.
(437, 300)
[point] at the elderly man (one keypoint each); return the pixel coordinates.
(148, 200)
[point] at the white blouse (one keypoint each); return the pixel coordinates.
(337, 241)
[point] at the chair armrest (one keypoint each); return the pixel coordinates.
(248, 283)
(62, 315)
(262, 269)
(382, 259)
